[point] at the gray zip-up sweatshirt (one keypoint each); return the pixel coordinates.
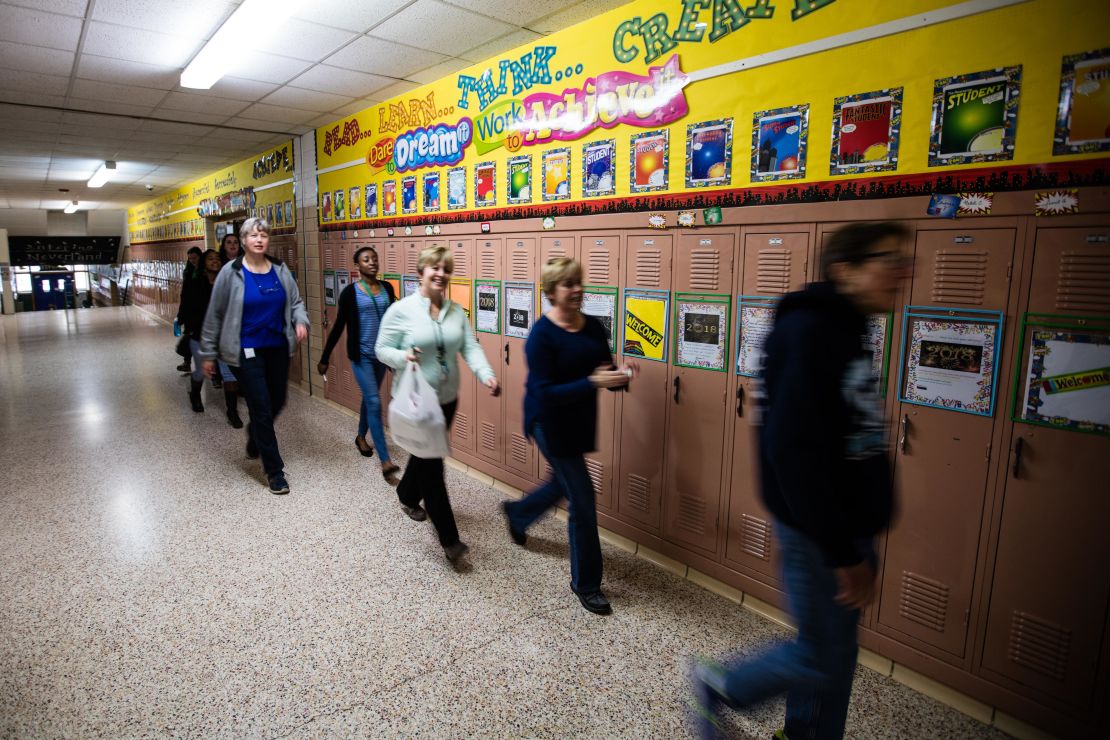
(223, 323)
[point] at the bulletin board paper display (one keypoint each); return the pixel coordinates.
(600, 301)
(949, 358)
(877, 340)
(461, 291)
(520, 309)
(487, 302)
(645, 324)
(701, 331)
(755, 316)
(410, 284)
(342, 280)
(1063, 372)
(395, 280)
(330, 294)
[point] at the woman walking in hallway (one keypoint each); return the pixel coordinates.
(410, 330)
(229, 248)
(568, 360)
(254, 322)
(362, 305)
(193, 268)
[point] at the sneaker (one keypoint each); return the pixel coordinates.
(416, 513)
(278, 484)
(595, 602)
(517, 536)
(252, 449)
(709, 691)
(455, 551)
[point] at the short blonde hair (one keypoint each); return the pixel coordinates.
(432, 256)
(557, 270)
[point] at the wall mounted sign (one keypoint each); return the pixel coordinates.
(410, 284)
(649, 161)
(975, 117)
(431, 192)
(701, 331)
(487, 299)
(943, 206)
(456, 188)
(519, 179)
(599, 168)
(520, 309)
(866, 132)
(29, 251)
(371, 190)
(600, 302)
(709, 154)
(555, 174)
(755, 317)
(461, 291)
(779, 140)
(329, 288)
(408, 194)
(355, 200)
(877, 340)
(389, 198)
(975, 204)
(1056, 202)
(645, 324)
(1083, 115)
(485, 184)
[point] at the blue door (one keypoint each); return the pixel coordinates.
(52, 290)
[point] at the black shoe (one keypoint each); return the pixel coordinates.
(518, 537)
(183, 367)
(368, 451)
(217, 382)
(194, 396)
(278, 484)
(252, 449)
(455, 551)
(233, 419)
(596, 603)
(416, 513)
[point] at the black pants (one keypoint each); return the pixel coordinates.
(423, 481)
(263, 381)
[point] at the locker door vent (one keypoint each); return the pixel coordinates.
(489, 437)
(329, 261)
(597, 267)
(959, 277)
(755, 537)
(1039, 645)
(691, 514)
(462, 263)
(772, 272)
(548, 473)
(488, 265)
(521, 266)
(596, 471)
(391, 261)
(461, 426)
(348, 381)
(1084, 282)
(648, 268)
(639, 493)
(518, 448)
(411, 259)
(705, 269)
(923, 601)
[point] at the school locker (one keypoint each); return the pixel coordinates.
(521, 454)
(773, 261)
(698, 413)
(1051, 586)
(333, 384)
(489, 438)
(391, 257)
(942, 456)
(643, 408)
(462, 429)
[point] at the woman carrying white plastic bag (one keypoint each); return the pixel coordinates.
(428, 329)
(416, 420)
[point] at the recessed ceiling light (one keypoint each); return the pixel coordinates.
(251, 18)
(105, 173)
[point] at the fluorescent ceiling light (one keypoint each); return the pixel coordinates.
(253, 17)
(106, 172)
(70, 207)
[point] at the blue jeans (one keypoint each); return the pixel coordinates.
(369, 372)
(263, 381)
(816, 669)
(570, 479)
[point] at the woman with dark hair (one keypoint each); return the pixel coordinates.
(229, 247)
(254, 322)
(362, 305)
(193, 268)
(196, 291)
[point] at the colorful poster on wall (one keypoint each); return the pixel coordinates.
(645, 324)
(485, 184)
(329, 287)
(456, 188)
(355, 200)
(779, 140)
(601, 303)
(755, 317)
(325, 206)
(408, 194)
(950, 362)
(866, 132)
(431, 192)
(975, 117)
(487, 296)
(279, 216)
(1067, 382)
(520, 309)
(556, 174)
(371, 200)
(701, 334)
(338, 199)
(519, 179)
(460, 291)
(1083, 115)
(389, 198)
(709, 153)
(289, 213)
(599, 168)
(410, 284)
(649, 161)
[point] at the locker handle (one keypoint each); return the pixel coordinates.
(676, 386)
(1019, 448)
(506, 353)
(739, 401)
(904, 433)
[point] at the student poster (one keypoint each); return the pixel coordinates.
(599, 168)
(779, 143)
(1083, 118)
(556, 174)
(519, 175)
(408, 195)
(754, 322)
(709, 153)
(340, 208)
(356, 202)
(645, 324)
(289, 213)
(601, 303)
(410, 284)
(459, 291)
(487, 297)
(456, 188)
(431, 192)
(1067, 380)
(342, 280)
(325, 206)
(329, 288)
(520, 309)
(649, 161)
(485, 184)
(975, 117)
(950, 363)
(866, 130)
(371, 200)
(279, 216)
(389, 198)
(701, 338)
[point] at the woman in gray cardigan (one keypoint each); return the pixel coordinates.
(254, 322)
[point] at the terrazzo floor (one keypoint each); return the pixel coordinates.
(150, 585)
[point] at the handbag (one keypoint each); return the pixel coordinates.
(415, 417)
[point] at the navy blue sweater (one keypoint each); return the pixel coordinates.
(558, 392)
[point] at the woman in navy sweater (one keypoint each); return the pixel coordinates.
(568, 360)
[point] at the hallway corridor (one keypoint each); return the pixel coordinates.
(150, 585)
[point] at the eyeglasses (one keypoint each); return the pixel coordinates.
(892, 258)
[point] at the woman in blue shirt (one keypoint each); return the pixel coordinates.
(254, 322)
(568, 360)
(362, 305)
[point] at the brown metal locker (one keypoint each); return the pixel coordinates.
(600, 258)
(392, 259)
(411, 252)
(696, 419)
(462, 429)
(942, 460)
(774, 262)
(643, 408)
(521, 454)
(1051, 587)
(333, 387)
(489, 439)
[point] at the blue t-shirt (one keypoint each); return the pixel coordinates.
(263, 310)
(370, 312)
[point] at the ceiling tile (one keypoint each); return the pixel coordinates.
(491, 49)
(340, 81)
(236, 88)
(573, 15)
(169, 128)
(351, 15)
(236, 134)
(15, 112)
(117, 93)
(35, 59)
(258, 65)
(378, 56)
(256, 124)
(279, 115)
(186, 101)
(32, 82)
(27, 26)
(65, 7)
(293, 97)
(196, 19)
(148, 47)
(120, 71)
(455, 28)
(191, 116)
(514, 11)
(81, 121)
(300, 39)
(438, 71)
(104, 106)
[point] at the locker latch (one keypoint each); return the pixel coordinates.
(964, 239)
(904, 433)
(1019, 448)
(775, 241)
(1096, 238)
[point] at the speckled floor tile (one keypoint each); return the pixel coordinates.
(151, 586)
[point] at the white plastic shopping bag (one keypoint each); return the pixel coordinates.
(415, 417)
